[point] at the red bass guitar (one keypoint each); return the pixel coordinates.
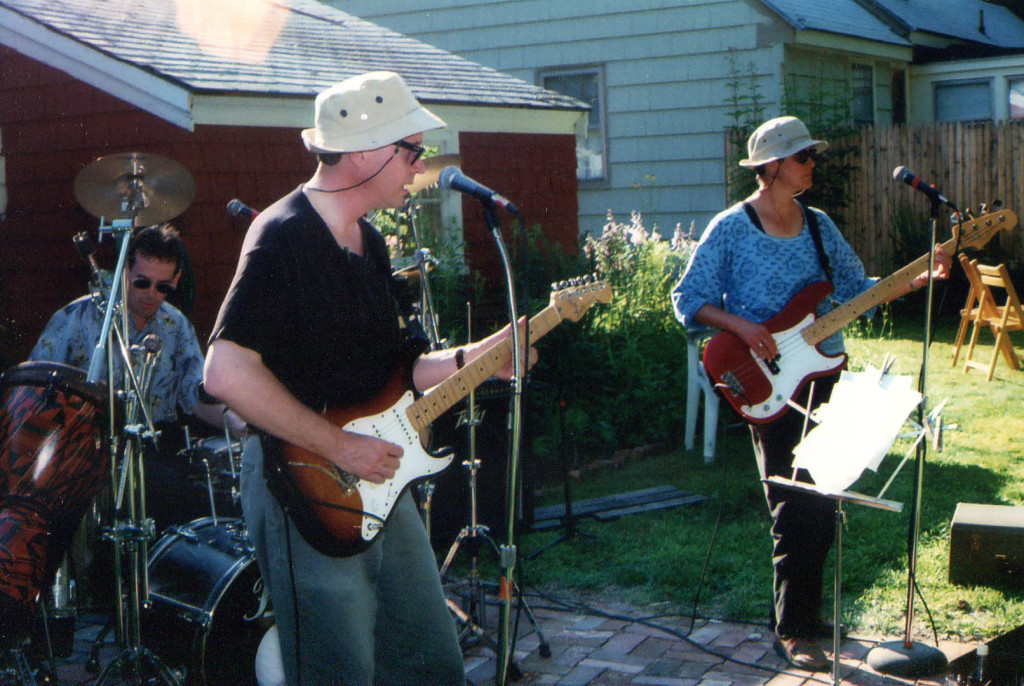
(759, 390)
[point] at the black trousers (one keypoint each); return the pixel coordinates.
(803, 524)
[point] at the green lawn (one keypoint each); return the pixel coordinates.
(715, 556)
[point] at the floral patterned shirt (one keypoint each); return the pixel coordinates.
(70, 338)
(749, 273)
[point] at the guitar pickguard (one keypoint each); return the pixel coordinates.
(797, 363)
(393, 426)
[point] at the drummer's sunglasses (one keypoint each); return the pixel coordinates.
(162, 287)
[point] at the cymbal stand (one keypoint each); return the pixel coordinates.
(475, 616)
(472, 616)
(130, 534)
(424, 317)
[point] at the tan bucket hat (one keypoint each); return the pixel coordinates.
(366, 112)
(779, 138)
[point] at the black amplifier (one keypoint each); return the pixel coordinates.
(986, 545)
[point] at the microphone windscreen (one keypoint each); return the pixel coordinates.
(447, 175)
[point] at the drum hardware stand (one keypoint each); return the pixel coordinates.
(132, 534)
(473, 619)
(421, 320)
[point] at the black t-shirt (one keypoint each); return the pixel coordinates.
(321, 317)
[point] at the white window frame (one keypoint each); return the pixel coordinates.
(870, 70)
(596, 131)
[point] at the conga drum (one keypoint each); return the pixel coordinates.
(53, 460)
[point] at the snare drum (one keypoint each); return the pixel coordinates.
(52, 462)
(208, 610)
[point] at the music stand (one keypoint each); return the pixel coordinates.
(848, 398)
(840, 515)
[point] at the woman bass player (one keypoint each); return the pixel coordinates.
(751, 261)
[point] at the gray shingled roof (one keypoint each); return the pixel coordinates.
(959, 19)
(317, 46)
(846, 17)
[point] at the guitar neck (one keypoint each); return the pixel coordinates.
(883, 291)
(443, 396)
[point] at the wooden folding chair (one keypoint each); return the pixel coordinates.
(1000, 319)
(968, 313)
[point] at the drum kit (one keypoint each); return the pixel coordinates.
(71, 444)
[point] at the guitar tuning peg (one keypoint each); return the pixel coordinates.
(983, 208)
(996, 205)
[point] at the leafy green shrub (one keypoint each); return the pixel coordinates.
(616, 379)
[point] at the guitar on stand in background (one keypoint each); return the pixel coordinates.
(760, 391)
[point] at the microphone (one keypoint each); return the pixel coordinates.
(87, 249)
(452, 178)
(906, 176)
(237, 209)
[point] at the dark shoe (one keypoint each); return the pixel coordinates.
(802, 653)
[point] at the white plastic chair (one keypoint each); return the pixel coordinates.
(697, 382)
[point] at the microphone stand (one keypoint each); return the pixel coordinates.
(507, 552)
(906, 657)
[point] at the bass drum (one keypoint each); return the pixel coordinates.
(209, 611)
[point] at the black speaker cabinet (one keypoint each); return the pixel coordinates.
(986, 545)
(450, 504)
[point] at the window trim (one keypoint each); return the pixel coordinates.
(598, 71)
(870, 69)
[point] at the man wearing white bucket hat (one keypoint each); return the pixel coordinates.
(309, 323)
(752, 259)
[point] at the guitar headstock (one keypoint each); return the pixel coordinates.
(573, 298)
(975, 233)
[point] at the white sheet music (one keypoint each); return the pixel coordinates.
(855, 428)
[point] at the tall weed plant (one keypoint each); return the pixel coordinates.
(617, 378)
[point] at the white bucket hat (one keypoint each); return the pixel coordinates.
(779, 138)
(366, 112)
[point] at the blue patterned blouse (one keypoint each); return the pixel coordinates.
(71, 334)
(746, 272)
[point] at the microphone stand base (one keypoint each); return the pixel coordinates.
(901, 659)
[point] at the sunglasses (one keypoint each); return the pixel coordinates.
(143, 283)
(804, 155)
(416, 150)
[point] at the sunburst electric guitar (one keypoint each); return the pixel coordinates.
(759, 390)
(341, 514)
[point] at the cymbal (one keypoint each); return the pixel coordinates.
(434, 166)
(149, 188)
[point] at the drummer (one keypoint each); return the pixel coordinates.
(153, 268)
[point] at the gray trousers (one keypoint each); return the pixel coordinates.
(375, 618)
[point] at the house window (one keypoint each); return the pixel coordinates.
(862, 92)
(1016, 88)
(586, 85)
(963, 101)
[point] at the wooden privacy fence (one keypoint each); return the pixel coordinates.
(971, 163)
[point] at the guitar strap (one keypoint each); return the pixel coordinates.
(812, 223)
